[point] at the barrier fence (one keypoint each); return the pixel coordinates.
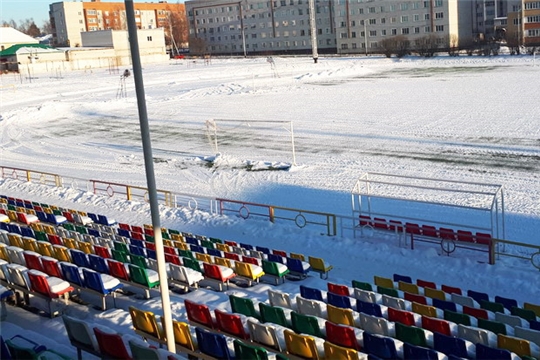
(331, 224)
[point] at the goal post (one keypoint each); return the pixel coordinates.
(272, 139)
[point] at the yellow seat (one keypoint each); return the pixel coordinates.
(408, 287)
(335, 352)
(3, 252)
(181, 245)
(177, 237)
(384, 282)
(297, 256)
(425, 310)
(45, 248)
(339, 315)
(223, 262)
(247, 271)
(167, 242)
(319, 265)
(146, 325)
(15, 240)
(70, 243)
(203, 257)
(49, 229)
(516, 345)
(533, 307)
(36, 226)
(182, 336)
(223, 247)
(434, 293)
(12, 215)
(61, 253)
(301, 345)
(85, 247)
(29, 244)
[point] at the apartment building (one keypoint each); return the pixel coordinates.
(523, 25)
(70, 18)
(259, 26)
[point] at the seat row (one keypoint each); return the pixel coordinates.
(21, 347)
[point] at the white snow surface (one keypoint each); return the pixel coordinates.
(473, 119)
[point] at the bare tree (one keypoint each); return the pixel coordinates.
(513, 42)
(427, 46)
(46, 28)
(197, 46)
(176, 29)
(397, 45)
(453, 45)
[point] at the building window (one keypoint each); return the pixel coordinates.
(533, 32)
(372, 32)
(438, 3)
(394, 31)
(404, 18)
(439, 28)
(405, 31)
(439, 15)
(416, 17)
(417, 30)
(372, 21)
(426, 16)
(532, 19)
(404, 6)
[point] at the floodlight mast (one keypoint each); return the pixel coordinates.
(150, 176)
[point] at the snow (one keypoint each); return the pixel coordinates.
(471, 119)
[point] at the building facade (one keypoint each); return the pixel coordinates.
(69, 19)
(259, 26)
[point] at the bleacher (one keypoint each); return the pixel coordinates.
(55, 257)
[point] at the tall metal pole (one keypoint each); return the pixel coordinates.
(150, 176)
(313, 28)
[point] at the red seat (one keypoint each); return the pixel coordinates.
(111, 346)
(280, 253)
(148, 231)
(338, 289)
(415, 298)
(428, 230)
(231, 243)
(199, 314)
(137, 236)
(477, 313)
(401, 316)
(102, 251)
(395, 225)
(250, 260)
(68, 216)
(118, 270)
(150, 245)
(365, 220)
(465, 236)
(483, 238)
(41, 283)
(412, 228)
(213, 271)
(23, 218)
(451, 289)
(380, 223)
(436, 325)
(447, 233)
(173, 259)
(232, 256)
(51, 267)
(137, 229)
(170, 250)
(428, 284)
(341, 335)
(230, 324)
(33, 260)
(124, 226)
(55, 239)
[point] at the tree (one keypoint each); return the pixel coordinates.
(427, 45)
(47, 28)
(176, 29)
(398, 45)
(453, 45)
(197, 46)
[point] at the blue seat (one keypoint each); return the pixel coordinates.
(137, 242)
(151, 254)
(372, 309)
(340, 301)
(26, 231)
(53, 219)
(380, 346)
(14, 228)
(137, 250)
(296, 266)
(197, 248)
(477, 295)
(41, 216)
(484, 352)
(192, 241)
(97, 263)
(310, 293)
(123, 232)
(212, 344)
(412, 352)
(263, 249)
(450, 345)
(79, 258)
(406, 279)
(276, 258)
(94, 217)
(444, 305)
(94, 232)
(506, 302)
(4, 226)
(535, 325)
(71, 274)
(247, 246)
(103, 220)
(214, 252)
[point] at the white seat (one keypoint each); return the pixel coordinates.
(4, 218)
(528, 334)
(511, 320)
(396, 303)
(81, 335)
(4, 235)
(18, 275)
(367, 296)
(477, 335)
(184, 275)
(377, 325)
(278, 298)
(311, 307)
(15, 255)
(83, 220)
(267, 334)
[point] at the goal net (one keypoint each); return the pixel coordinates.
(253, 140)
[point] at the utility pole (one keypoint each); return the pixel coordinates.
(313, 28)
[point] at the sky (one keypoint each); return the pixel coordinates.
(411, 117)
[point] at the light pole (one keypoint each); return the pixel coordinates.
(313, 27)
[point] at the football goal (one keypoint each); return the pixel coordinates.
(261, 140)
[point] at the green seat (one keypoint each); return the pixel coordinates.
(12, 207)
(186, 254)
(120, 246)
(216, 240)
(138, 260)
(388, 291)
(175, 232)
(192, 264)
(208, 244)
(41, 236)
(68, 226)
(81, 229)
(306, 324)
(120, 256)
(458, 318)
(526, 314)
(23, 348)
(496, 326)
(362, 285)
(492, 306)
(245, 351)
(244, 306)
(57, 212)
(411, 334)
(149, 238)
(272, 268)
(273, 314)
(140, 276)
(142, 351)
(165, 235)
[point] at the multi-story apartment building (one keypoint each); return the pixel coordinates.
(523, 25)
(259, 26)
(68, 19)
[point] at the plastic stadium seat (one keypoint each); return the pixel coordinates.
(383, 282)
(341, 316)
(311, 307)
(528, 334)
(491, 306)
(484, 352)
(304, 346)
(506, 302)
(245, 351)
(367, 296)
(183, 337)
(380, 223)
(464, 300)
(459, 318)
(244, 306)
(265, 334)
(311, 293)
(420, 299)
(369, 308)
(532, 307)
(465, 236)
(103, 284)
(111, 345)
(477, 335)
(340, 301)
(451, 289)
(278, 298)
(411, 352)
(396, 302)
(519, 346)
(426, 284)
(439, 326)
(402, 316)
(447, 233)
(429, 230)
(306, 324)
(381, 346)
(343, 335)
(377, 325)
(338, 289)
(526, 314)
(199, 313)
(298, 267)
(408, 288)
(273, 314)
(333, 351)
(412, 228)
(274, 270)
(146, 324)
(231, 324)
(33, 260)
(495, 326)
(81, 336)
(444, 305)
(434, 293)
(483, 238)
(362, 285)
(213, 344)
(411, 334)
